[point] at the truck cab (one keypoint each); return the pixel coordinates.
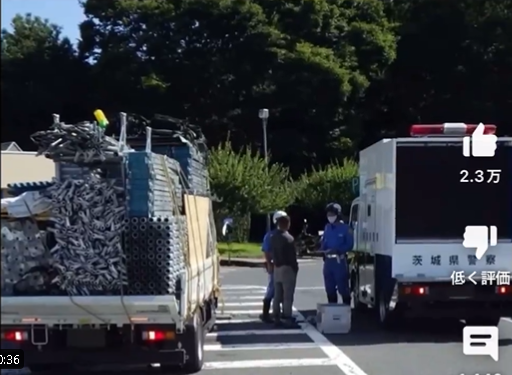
(416, 197)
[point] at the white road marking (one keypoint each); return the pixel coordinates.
(242, 304)
(251, 297)
(269, 363)
(335, 355)
(310, 288)
(270, 346)
(242, 287)
(241, 312)
(257, 332)
(341, 360)
(236, 294)
(237, 321)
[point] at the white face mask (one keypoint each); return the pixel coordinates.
(331, 219)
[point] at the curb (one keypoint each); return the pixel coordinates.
(249, 263)
(255, 263)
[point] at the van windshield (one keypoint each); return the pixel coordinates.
(438, 192)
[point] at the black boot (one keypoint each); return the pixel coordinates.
(265, 315)
(332, 298)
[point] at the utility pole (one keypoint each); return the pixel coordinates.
(263, 115)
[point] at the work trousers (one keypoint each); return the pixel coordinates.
(336, 278)
(285, 279)
(269, 293)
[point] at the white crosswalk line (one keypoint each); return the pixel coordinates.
(242, 287)
(238, 293)
(241, 305)
(269, 363)
(271, 346)
(251, 297)
(238, 321)
(258, 332)
(242, 312)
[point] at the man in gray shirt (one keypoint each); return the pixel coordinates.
(286, 267)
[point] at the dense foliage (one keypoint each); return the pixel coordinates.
(245, 184)
(336, 75)
(326, 184)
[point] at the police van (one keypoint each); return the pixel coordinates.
(417, 196)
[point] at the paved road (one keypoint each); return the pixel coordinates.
(420, 347)
(242, 342)
(241, 345)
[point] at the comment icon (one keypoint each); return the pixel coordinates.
(481, 340)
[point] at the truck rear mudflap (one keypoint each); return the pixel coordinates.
(142, 344)
(444, 300)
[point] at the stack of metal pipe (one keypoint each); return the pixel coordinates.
(88, 223)
(154, 248)
(156, 235)
(192, 162)
(193, 165)
(153, 185)
(81, 149)
(23, 250)
(83, 142)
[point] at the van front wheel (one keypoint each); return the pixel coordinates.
(387, 318)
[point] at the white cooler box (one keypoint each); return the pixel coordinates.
(333, 318)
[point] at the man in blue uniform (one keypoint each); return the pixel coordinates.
(269, 264)
(336, 242)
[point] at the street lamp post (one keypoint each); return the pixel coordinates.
(263, 115)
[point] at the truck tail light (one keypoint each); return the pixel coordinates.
(158, 335)
(504, 289)
(415, 290)
(447, 129)
(14, 336)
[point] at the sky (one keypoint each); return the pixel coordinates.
(65, 13)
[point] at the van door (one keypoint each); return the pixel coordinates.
(373, 237)
(357, 259)
(369, 235)
(353, 221)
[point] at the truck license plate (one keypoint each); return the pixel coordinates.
(86, 338)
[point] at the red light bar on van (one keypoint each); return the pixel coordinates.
(449, 128)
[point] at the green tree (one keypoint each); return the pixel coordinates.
(332, 183)
(452, 65)
(217, 62)
(246, 184)
(41, 75)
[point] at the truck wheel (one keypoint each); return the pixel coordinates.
(195, 347)
(483, 321)
(387, 318)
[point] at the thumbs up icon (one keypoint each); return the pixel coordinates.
(479, 144)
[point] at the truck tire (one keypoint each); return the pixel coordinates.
(195, 345)
(387, 318)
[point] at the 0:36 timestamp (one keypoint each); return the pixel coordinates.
(12, 359)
